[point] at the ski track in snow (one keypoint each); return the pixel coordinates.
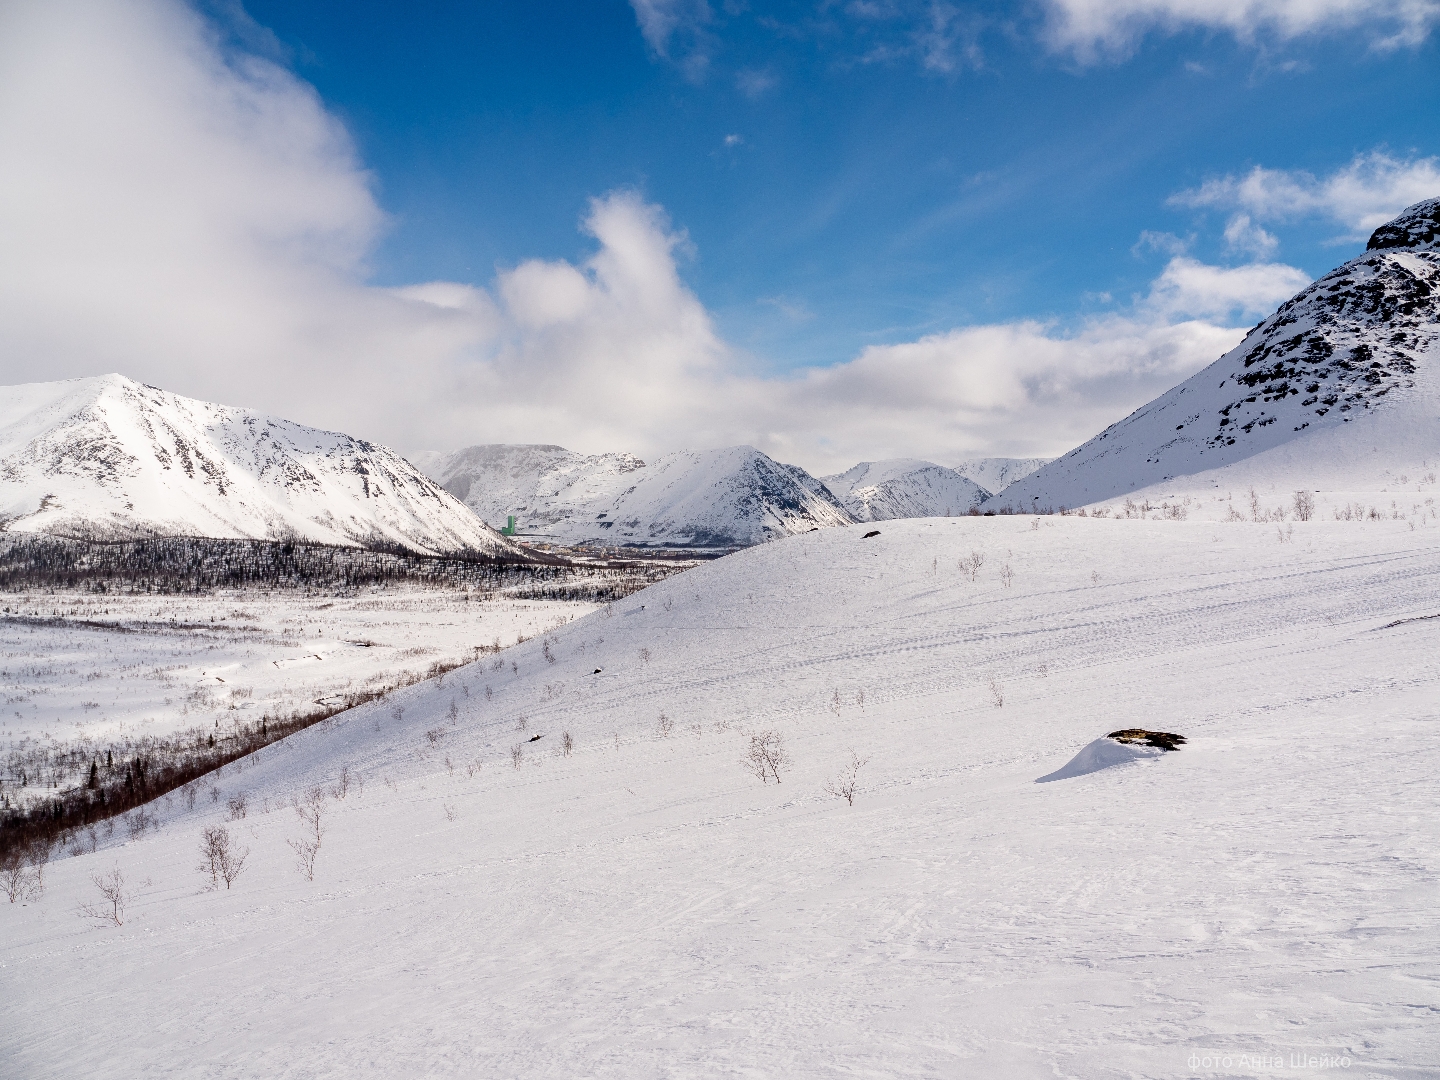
(647, 908)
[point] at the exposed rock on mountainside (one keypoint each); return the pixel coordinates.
(1331, 391)
(904, 488)
(731, 497)
(110, 458)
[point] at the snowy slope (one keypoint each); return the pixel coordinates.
(1336, 391)
(107, 457)
(904, 488)
(732, 497)
(645, 907)
(995, 474)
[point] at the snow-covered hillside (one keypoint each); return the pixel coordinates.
(995, 474)
(110, 458)
(487, 901)
(1337, 391)
(732, 497)
(903, 488)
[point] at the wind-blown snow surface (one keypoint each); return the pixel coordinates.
(904, 488)
(645, 907)
(731, 497)
(1332, 391)
(110, 458)
(995, 474)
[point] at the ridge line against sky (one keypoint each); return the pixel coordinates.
(235, 205)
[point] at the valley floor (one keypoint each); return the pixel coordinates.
(643, 906)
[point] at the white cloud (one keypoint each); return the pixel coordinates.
(1091, 29)
(203, 225)
(1187, 287)
(1244, 236)
(1361, 196)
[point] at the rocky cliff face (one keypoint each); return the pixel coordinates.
(1355, 349)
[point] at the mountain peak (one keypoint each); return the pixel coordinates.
(1418, 227)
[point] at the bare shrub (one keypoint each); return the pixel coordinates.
(1006, 574)
(220, 858)
(343, 780)
(545, 651)
(1304, 506)
(766, 756)
(664, 725)
(19, 880)
(517, 754)
(449, 811)
(997, 693)
(846, 784)
(238, 804)
(453, 713)
(311, 810)
(114, 898)
(434, 735)
(567, 744)
(139, 820)
(972, 563)
(644, 656)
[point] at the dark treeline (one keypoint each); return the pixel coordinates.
(199, 564)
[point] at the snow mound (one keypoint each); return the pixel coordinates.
(110, 458)
(1332, 392)
(725, 498)
(1103, 753)
(904, 488)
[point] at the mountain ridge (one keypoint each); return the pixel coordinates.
(110, 458)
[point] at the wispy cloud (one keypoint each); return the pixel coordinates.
(1361, 195)
(1092, 30)
(678, 31)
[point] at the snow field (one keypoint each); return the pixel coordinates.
(646, 907)
(78, 667)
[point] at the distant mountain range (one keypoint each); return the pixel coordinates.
(108, 458)
(716, 499)
(1337, 390)
(904, 488)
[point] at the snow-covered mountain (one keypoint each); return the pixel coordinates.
(1335, 391)
(904, 488)
(731, 497)
(110, 458)
(995, 474)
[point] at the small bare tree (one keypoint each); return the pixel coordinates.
(18, 879)
(766, 756)
(114, 898)
(238, 804)
(1304, 506)
(1006, 574)
(343, 780)
(310, 809)
(997, 693)
(517, 754)
(664, 725)
(220, 858)
(644, 656)
(567, 744)
(972, 563)
(846, 784)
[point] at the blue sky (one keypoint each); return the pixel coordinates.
(837, 191)
(834, 230)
